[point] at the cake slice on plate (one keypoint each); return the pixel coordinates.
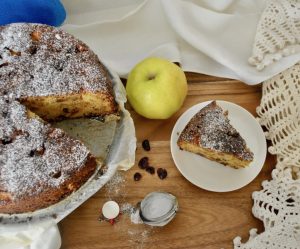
(210, 134)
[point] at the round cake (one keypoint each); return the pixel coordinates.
(46, 75)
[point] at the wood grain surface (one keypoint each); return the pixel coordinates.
(205, 220)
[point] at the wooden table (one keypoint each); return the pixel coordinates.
(205, 220)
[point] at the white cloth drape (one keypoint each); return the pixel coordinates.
(211, 37)
(40, 236)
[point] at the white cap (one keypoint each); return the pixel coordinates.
(110, 209)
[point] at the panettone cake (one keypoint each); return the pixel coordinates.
(210, 134)
(46, 75)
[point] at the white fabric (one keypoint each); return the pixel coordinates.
(41, 236)
(211, 37)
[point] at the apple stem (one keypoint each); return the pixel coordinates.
(151, 77)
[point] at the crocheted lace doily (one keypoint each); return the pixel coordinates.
(278, 203)
(278, 32)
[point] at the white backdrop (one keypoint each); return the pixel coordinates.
(211, 37)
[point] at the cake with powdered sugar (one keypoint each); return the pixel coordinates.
(210, 134)
(52, 73)
(46, 75)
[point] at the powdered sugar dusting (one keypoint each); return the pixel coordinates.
(133, 212)
(33, 156)
(39, 60)
(211, 128)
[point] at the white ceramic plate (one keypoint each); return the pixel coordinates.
(211, 175)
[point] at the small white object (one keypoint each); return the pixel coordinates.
(110, 209)
(211, 175)
(135, 217)
(57, 36)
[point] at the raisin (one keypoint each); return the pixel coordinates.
(41, 150)
(59, 66)
(6, 141)
(4, 64)
(37, 152)
(137, 176)
(144, 163)
(31, 153)
(14, 53)
(32, 50)
(57, 174)
(162, 173)
(146, 145)
(65, 110)
(150, 170)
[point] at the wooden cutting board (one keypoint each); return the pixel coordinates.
(205, 220)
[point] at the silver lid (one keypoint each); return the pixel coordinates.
(158, 208)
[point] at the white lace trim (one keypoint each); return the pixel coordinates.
(285, 236)
(278, 33)
(279, 112)
(278, 203)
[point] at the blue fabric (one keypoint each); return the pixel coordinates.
(49, 12)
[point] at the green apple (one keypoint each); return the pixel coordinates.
(156, 88)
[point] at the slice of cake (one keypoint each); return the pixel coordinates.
(210, 134)
(39, 165)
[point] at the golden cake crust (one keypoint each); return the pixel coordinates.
(210, 134)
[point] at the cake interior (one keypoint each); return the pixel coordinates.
(82, 129)
(73, 112)
(73, 115)
(86, 130)
(221, 157)
(58, 107)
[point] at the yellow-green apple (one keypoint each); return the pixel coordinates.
(156, 88)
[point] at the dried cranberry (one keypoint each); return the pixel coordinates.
(137, 176)
(112, 221)
(144, 162)
(162, 173)
(150, 170)
(146, 145)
